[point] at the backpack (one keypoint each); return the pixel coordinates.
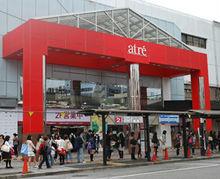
(45, 149)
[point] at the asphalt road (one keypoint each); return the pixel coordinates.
(201, 169)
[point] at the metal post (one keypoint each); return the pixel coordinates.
(184, 136)
(147, 137)
(104, 140)
(202, 143)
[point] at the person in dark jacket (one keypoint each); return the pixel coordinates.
(91, 147)
(108, 145)
(43, 150)
(155, 142)
(133, 143)
(79, 142)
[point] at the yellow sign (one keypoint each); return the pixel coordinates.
(30, 113)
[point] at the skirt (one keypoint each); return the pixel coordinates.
(6, 155)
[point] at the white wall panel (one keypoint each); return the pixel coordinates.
(12, 89)
(212, 75)
(11, 70)
(2, 88)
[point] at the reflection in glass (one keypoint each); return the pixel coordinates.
(77, 94)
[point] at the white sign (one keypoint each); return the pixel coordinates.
(169, 119)
(135, 50)
(60, 116)
(133, 119)
(128, 119)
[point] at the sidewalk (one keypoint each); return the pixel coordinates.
(16, 172)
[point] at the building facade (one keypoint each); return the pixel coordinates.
(63, 87)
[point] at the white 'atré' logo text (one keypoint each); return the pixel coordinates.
(134, 50)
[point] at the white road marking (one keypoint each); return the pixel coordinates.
(160, 172)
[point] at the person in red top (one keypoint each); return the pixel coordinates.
(43, 150)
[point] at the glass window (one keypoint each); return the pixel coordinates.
(153, 96)
(104, 20)
(135, 24)
(77, 94)
(121, 22)
(194, 41)
(68, 20)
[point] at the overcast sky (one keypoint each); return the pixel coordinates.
(202, 8)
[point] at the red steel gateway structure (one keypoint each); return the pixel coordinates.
(72, 46)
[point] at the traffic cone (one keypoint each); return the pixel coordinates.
(209, 153)
(25, 166)
(154, 157)
(188, 153)
(166, 157)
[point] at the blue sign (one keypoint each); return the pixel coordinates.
(169, 119)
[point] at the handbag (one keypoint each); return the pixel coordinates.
(5, 148)
(24, 149)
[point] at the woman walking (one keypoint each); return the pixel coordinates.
(6, 152)
(155, 142)
(31, 151)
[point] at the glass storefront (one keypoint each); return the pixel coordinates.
(81, 95)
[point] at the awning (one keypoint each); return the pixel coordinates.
(205, 113)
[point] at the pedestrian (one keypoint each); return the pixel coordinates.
(107, 148)
(194, 143)
(97, 143)
(61, 150)
(121, 144)
(190, 141)
(43, 150)
(31, 151)
(178, 143)
(40, 140)
(133, 144)
(155, 142)
(211, 141)
(15, 144)
(79, 141)
(69, 148)
(6, 152)
(139, 146)
(51, 150)
(1, 143)
(163, 141)
(91, 147)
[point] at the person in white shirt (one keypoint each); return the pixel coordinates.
(31, 150)
(6, 152)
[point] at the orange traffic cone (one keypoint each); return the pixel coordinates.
(154, 157)
(188, 153)
(166, 157)
(25, 166)
(209, 153)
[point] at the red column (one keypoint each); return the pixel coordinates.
(195, 97)
(33, 105)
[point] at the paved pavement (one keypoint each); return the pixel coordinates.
(203, 169)
(88, 166)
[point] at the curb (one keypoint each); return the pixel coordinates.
(110, 166)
